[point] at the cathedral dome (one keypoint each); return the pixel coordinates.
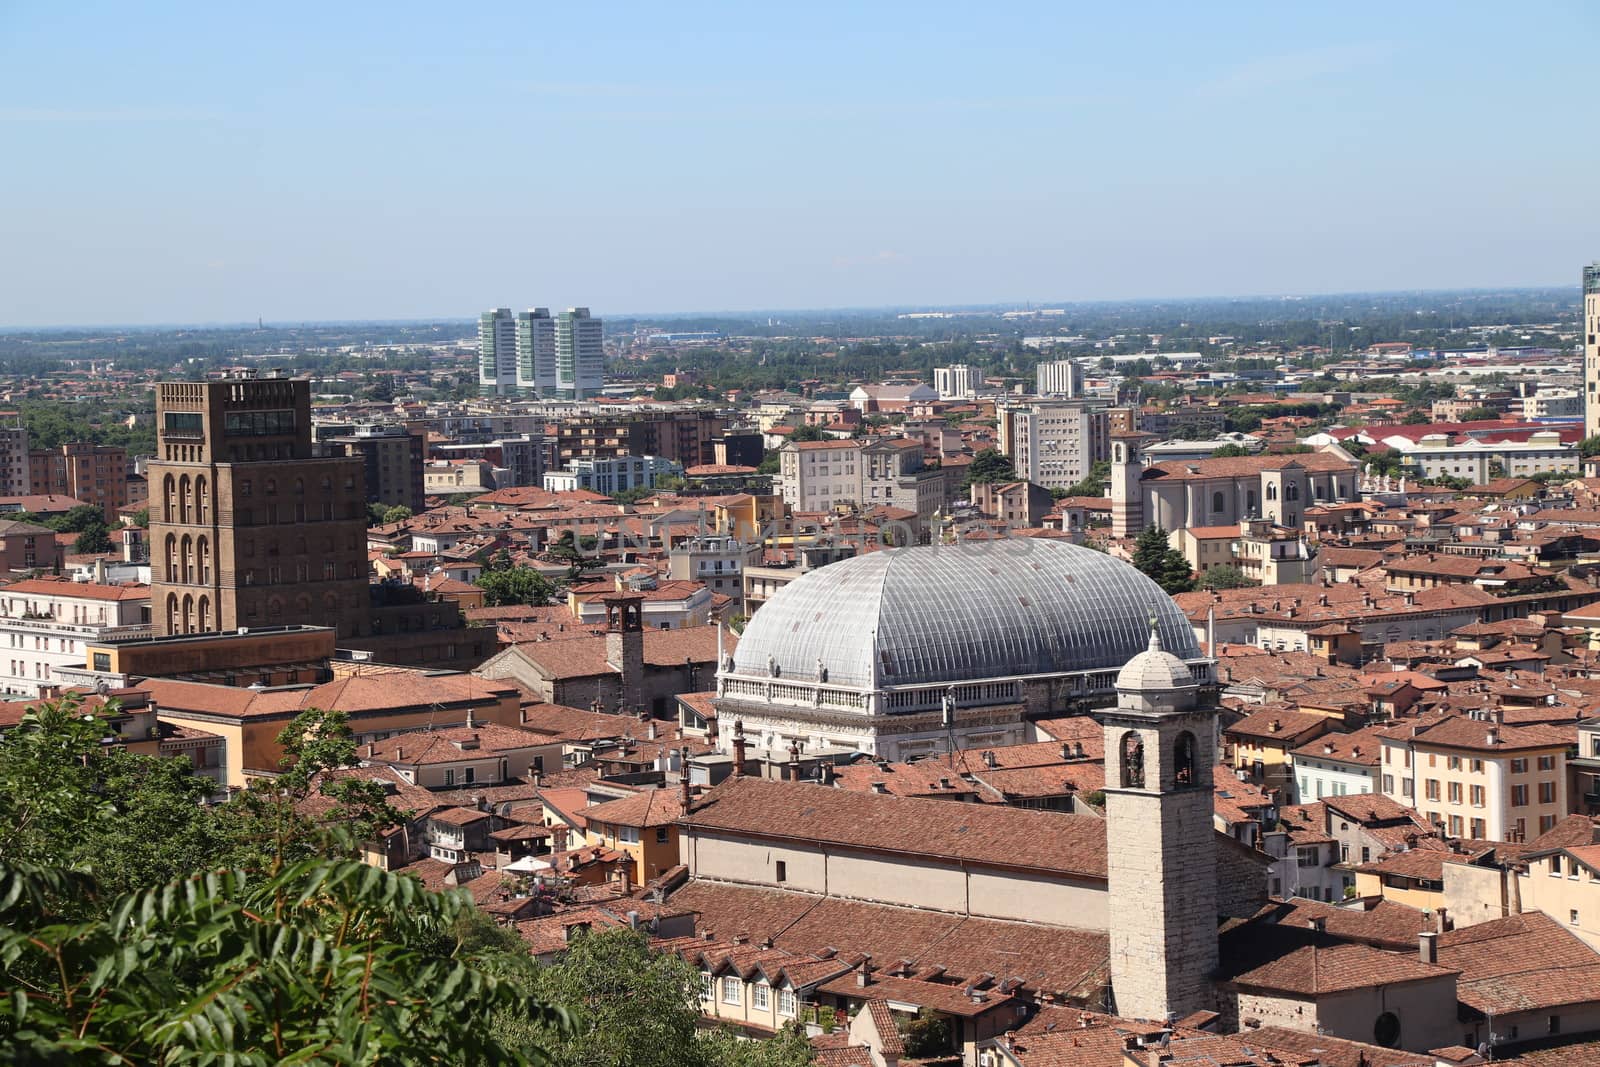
(954, 614)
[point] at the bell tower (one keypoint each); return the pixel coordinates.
(1160, 853)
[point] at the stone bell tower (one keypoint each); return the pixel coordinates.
(1160, 852)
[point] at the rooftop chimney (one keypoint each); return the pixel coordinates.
(738, 748)
(1428, 946)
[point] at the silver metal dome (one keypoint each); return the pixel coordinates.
(945, 614)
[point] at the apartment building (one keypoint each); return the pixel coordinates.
(1477, 777)
(47, 624)
(1059, 377)
(1054, 443)
(394, 458)
(820, 475)
(94, 474)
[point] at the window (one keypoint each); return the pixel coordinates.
(1547, 763)
(1405, 787)
(1519, 766)
(782, 873)
(1555, 1024)
(661, 835)
(1306, 857)
(1476, 793)
(1431, 788)
(449, 777)
(470, 775)
(1519, 796)
(628, 835)
(1388, 783)
(1477, 829)
(1455, 792)
(730, 989)
(1455, 826)
(1477, 766)
(786, 1002)
(761, 996)
(1572, 917)
(1547, 792)
(102, 661)
(1455, 763)
(705, 986)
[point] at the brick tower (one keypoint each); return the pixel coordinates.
(1161, 856)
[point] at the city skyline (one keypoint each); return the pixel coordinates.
(273, 170)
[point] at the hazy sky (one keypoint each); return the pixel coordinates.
(214, 162)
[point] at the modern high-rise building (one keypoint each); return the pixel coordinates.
(536, 351)
(14, 473)
(580, 356)
(1591, 350)
(957, 382)
(1054, 443)
(1059, 377)
(497, 351)
(393, 457)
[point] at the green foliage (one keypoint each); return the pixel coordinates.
(771, 459)
(926, 1035)
(1094, 484)
(398, 513)
(324, 962)
(94, 540)
(1224, 576)
(507, 584)
(1416, 418)
(668, 483)
(1480, 414)
(632, 1006)
(632, 496)
(566, 549)
(808, 432)
(989, 466)
(1162, 563)
(1230, 451)
(1589, 446)
(141, 518)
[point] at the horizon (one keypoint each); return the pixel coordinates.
(181, 164)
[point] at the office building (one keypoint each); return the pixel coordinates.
(958, 382)
(497, 351)
(1060, 377)
(536, 351)
(612, 474)
(1591, 349)
(13, 458)
(1054, 443)
(580, 356)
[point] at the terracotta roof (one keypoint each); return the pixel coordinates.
(354, 695)
(1298, 962)
(646, 808)
(79, 590)
(453, 744)
(1064, 844)
(1523, 962)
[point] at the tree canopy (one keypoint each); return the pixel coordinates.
(504, 583)
(1162, 563)
(989, 466)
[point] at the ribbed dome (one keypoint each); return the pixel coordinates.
(916, 616)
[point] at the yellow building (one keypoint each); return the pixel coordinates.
(645, 826)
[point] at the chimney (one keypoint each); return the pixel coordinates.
(988, 758)
(794, 760)
(625, 882)
(650, 731)
(399, 753)
(1066, 750)
(738, 748)
(880, 787)
(863, 973)
(1428, 946)
(372, 750)
(1443, 926)
(470, 723)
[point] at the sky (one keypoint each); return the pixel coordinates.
(191, 163)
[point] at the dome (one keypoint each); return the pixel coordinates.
(1155, 669)
(945, 614)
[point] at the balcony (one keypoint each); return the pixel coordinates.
(46, 624)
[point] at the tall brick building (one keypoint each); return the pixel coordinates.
(247, 526)
(94, 474)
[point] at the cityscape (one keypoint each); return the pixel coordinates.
(461, 665)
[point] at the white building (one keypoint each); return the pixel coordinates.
(1060, 377)
(1054, 443)
(580, 355)
(611, 474)
(820, 475)
(536, 351)
(1336, 765)
(46, 624)
(1478, 461)
(958, 382)
(1553, 404)
(497, 351)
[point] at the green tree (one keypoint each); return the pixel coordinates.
(1230, 451)
(772, 458)
(1094, 484)
(632, 1006)
(807, 432)
(1416, 417)
(1162, 563)
(328, 962)
(79, 518)
(989, 466)
(93, 540)
(1589, 446)
(1224, 576)
(1480, 414)
(141, 518)
(927, 1035)
(515, 585)
(397, 513)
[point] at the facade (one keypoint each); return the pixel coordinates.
(247, 526)
(717, 562)
(820, 475)
(93, 474)
(956, 382)
(13, 457)
(611, 474)
(1218, 492)
(580, 355)
(1478, 778)
(1442, 455)
(27, 546)
(1591, 349)
(536, 351)
(393, 458)
(899, 653)
(497, 352)
(48, 624)
(1054, 443)
(1060, 377)
(1160, 748)
(683, 436)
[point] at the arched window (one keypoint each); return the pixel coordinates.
(1250, 501)
(173, 621)
(1272, 491)
(299, 486)
(302, 605)
(205, 614)
(1292, 491)
(188, 614)
(272, 486)
(1132, 761)
(172, 558)
(183, 499)
(1183, 759)
(186, 551)
(1216, 503)
(1386, 1030)
(169, 503)
(274, 607)
(201, 506)
(327, 484)
(204, 546)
